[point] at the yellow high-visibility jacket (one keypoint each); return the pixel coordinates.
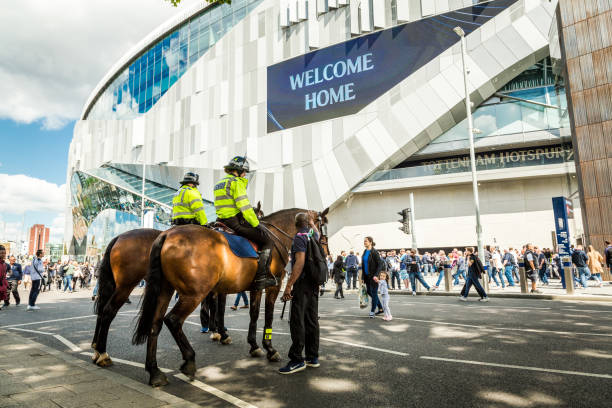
(231, 199)
(188, 204)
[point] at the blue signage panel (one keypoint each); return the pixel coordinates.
(561, 225)
(342, 79)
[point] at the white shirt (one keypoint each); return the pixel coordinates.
(496, 259)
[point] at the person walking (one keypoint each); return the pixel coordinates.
(14, 280)
(27, 279)
(302, 290)
(69, 269)
(338, 275)
(440, 261)
(531, 267)
(595, 264)
(383, 290)
(475, 271)
(4, 270)
(580, 259)
(608, 255)
(543, 266)
(351, 266)
(508, 265)
(372, 264)
(242, 295)
(36, 273)
(460, 262)
(393, 266)
(496, 268)
(414, 272)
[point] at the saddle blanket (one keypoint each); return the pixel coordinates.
(240, 246)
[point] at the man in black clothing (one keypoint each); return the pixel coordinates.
(303, 293)
(608, 253)
(14, 280)
(531, 267)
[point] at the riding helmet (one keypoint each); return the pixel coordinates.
(238, 163)
(190, 177)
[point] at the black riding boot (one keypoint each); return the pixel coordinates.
(263, 277)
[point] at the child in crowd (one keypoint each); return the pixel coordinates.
(383, 290)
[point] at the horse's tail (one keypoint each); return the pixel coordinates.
(106, 280)
(152, 291)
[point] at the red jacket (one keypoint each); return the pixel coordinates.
(3, 282)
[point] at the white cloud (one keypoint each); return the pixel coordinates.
(54, 53)
(23, 193)
(56, 229)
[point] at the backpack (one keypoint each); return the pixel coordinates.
(316, 265)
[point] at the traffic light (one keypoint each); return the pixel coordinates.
(405, 220)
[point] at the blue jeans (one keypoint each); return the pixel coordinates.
(373, 292)
(244, 298)
(460, 272)
(67, 282)
(597, 277)
(413, 278)
(543, 274)
(473, 280)
(395, 275)
(508, 273)
(440, 277)
(95, 292)
(584, 274)
(34, 292)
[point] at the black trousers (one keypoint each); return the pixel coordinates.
(34, 292)
(12, 288)
(244, 229)
(304, 322)
(207, 316)
(339, 289)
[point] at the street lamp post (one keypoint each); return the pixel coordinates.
(144, 162)
(468, 107)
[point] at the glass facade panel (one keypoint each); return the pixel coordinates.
(150, 75)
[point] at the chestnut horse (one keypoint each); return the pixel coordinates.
(195, 261)
(124, 264)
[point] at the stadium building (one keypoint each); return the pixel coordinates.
(344, 104)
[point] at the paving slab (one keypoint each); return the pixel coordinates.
(34, 375)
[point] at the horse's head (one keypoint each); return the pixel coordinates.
(321, 223)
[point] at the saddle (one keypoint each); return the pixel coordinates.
(240, 246)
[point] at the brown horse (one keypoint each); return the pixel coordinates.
(194, 261)
(124, 264)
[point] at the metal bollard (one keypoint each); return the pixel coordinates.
(523, 276)
(447, 278)
(568, 274)
(485, 279)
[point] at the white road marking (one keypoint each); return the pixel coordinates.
(493, 328)
(67, 342)
(399, 353)
(216, 392)
(131, 363)
(528, 368)
(60, 320)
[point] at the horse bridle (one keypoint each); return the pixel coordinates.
(319, 224)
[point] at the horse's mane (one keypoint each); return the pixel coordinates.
(282, 212)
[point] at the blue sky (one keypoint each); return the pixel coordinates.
(44, 81)
(36, 152)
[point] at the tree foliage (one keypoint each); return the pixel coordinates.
(175, 3)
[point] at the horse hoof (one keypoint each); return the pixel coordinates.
(189, 368)
(93, 346)
(104, 360)
(226, 341)
(275, 357)
(95, 357)
(215, 337)
(257, 352)
(158, 380)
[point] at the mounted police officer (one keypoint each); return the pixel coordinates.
(187, 204)
(234, 210)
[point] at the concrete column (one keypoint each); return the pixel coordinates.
(523, 276)
(485, 279)
(569, 275)
(447, 278)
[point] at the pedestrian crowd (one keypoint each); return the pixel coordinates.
(40, 274)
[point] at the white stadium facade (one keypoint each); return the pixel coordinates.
(345, 104)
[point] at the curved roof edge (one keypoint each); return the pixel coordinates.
(123, 62)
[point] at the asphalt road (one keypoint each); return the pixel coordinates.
(437, 352)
